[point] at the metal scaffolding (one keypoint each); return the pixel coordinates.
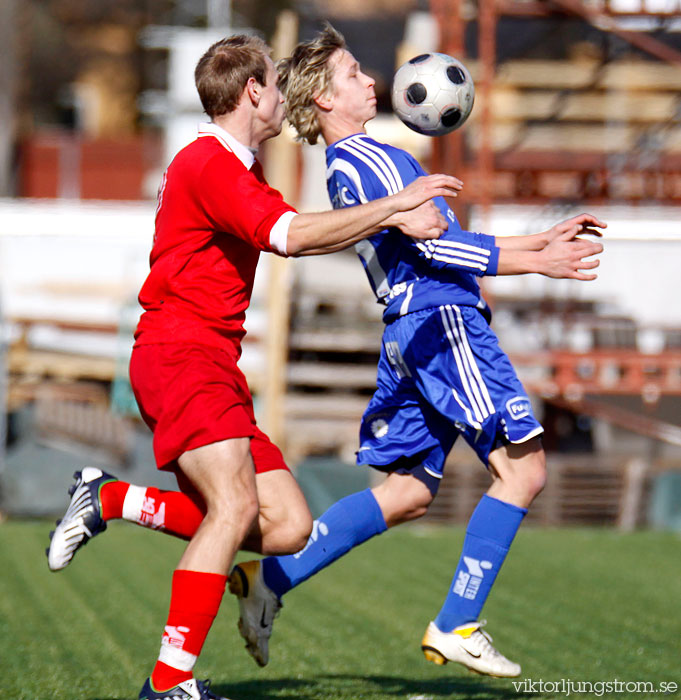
(480, 164)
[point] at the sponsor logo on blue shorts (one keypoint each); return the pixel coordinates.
(518, 407)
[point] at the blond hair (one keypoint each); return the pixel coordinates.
(223, 71)
(305, 76)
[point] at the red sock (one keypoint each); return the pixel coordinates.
(111, 496)
(173, 512)
(194, 603)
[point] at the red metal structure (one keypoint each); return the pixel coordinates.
(530, 175)
(523, 175)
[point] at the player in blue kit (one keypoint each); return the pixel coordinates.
(441, 372)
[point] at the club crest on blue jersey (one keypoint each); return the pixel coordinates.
(346, 197)
(518, 407)
(343, 198)
(379, 427)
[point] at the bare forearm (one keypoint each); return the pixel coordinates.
(514, 261)
(534, 241)
(335, 248)
(334, 230)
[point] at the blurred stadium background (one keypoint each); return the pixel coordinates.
(578, 107)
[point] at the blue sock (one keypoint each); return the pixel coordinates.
(489, 534)
(349, 522)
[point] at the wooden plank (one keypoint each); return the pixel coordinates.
(638, 107)
(595, 138)
(321, 436)
(337, 340)
(584, 73)
(59, 365)
(326, 374)
(280, 167)
(556, 160)
(64, 324)
(337, 406)
(633, 491)
(23, 390)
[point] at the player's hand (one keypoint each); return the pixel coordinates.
(426, 187)
(564, 257)
(424, 222)
(577, 225)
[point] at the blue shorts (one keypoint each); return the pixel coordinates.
(441, 374)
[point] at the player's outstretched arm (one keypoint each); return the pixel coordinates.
(562, 258)
(424, 222)
(580, 224)
(326, 232)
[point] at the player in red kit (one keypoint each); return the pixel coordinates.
(215, 214)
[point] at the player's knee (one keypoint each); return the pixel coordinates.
(520, 471)
(414, 512)
(287, 534)
(296, 534)
(236, 514)
(416, 506)
(535, 475)
(246, 512)
(402, 498)
(403, 513)
(251, 507)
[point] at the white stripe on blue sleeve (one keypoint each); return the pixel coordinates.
(375, 166)
(381, 157)
(351, 172)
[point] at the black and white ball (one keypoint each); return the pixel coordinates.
(433, 94)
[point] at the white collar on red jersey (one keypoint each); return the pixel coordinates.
(243, 153)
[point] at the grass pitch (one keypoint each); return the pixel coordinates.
(583, 605)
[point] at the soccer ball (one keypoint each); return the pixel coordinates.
(433, 94)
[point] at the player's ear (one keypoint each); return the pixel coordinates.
(253, 90)
(324, 101)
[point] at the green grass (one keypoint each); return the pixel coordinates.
(580, 604)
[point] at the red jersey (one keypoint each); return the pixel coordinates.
(214, 216)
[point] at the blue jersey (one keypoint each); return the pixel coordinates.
(407, 275)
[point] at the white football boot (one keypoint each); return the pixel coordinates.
(470, 646)
(187, 690)
(82, 520)
(258, 606)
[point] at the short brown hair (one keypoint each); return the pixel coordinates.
(223, 71)
(305, 76)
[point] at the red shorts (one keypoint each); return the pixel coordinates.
(195, 395)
